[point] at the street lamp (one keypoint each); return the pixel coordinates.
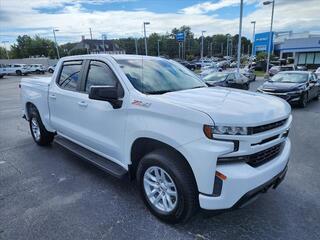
(270, 33)
(4, 43)
(202, 32)
(228, 40)
(253, 36)
(103, 39)
(158, 47)
(239, 39)
(55, 40)
(145, 37)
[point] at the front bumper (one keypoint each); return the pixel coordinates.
(289, 97)
(243, 180)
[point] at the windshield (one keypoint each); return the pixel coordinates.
(290, 77)
(215, 77)
(157, 76)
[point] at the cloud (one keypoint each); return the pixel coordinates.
(74, 20)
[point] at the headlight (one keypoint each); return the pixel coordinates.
(224, 130)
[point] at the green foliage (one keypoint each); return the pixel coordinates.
(215, 45)
(3, 53)
(27, 46)
(261, 56)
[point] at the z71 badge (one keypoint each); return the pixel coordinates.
(140, 103)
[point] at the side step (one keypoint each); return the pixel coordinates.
(101, 162)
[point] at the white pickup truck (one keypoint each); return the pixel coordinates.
(153, 120)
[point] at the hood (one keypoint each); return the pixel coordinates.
(231, 107)
(280, 86)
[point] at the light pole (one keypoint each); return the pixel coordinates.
(145, 37)
(239, 39)
(253, 36)
(228, 35)
(270, 33)
(103, 39)
(55, 40)
(4, 43)
(202, 32)
(136, 45)
(158, 47)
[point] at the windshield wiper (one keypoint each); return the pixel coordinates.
(198, 87)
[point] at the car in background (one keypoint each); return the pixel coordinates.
(302, 68)
(293, 86)
(18, 69)
(249, 73)
(188, 65)
(223, 64)
(51, 68)
(276, 69)
(206, 70)
(2, 70)
(317, 72)
(36, 68)
(227, 79)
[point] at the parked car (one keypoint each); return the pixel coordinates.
(209, 69)
(293, 86)
(301, 68)
(317, 72)
(227, 79)
(188, 65)
(36, 68)
(249, 73)
(186, 144)
(276, 69)
(18, 69)
(51, 68)
(2, 70)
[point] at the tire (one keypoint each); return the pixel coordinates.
(19, 73)
(1, 76)
(50, 70)
(186, 201)
(254, 78)
(38, 71)
(39, 133)
(304, 100)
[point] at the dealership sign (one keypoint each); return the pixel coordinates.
(261, 42)
(180, 37)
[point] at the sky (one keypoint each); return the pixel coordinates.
(124, 18)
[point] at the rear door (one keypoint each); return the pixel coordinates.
(64, 99)
(313, 86)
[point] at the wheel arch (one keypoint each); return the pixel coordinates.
(144, 145)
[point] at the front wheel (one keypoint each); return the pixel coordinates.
(18, 72)
(39, 133)
(304, 100)
(167, 186)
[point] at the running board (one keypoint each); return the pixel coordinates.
(93, 158)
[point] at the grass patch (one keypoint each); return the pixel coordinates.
(260, 73)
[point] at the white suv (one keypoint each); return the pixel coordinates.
(18, 69)
(36, 68)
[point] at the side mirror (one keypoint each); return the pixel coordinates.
(109, 94)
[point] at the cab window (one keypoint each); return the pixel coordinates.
(99, 74)
(70, 75)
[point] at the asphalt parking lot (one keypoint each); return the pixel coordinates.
(47, 193)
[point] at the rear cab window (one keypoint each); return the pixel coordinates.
(69, 78)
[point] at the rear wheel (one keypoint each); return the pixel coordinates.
(18, 72)
(50, 70)
(38, 71)
(39, 133)
(167, 186)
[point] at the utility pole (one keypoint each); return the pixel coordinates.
(270, 34)
(222, 49)
(103, 39)
(211, 44)
(158, 47)
(228, 35)
(239, 39)
(136, 45)
(203, 31)
(253, 36)
(145, 37)
(90, 33)
(55, 40)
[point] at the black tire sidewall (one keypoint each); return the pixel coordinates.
(179, 212)
(45, 137)
(18, 72)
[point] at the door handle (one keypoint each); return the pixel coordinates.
(52, 96)
(82, 104)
